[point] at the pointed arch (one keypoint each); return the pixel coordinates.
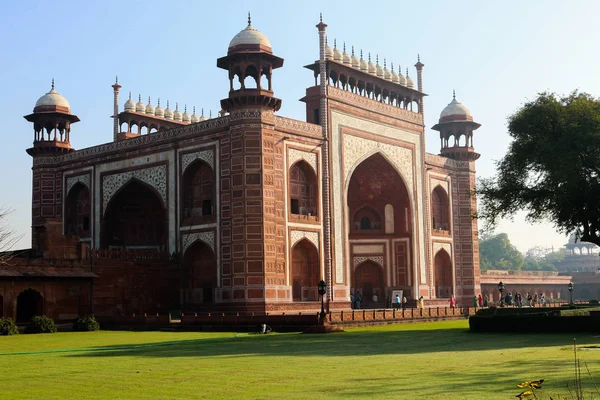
(305, 271)
(303, 189)
(198, 193)
(200, 274)
(368, 280)
(443, 274)
(78, 211)
(440, 209)
(135, 217)
(30, 303)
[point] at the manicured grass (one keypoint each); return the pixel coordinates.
(441, 360)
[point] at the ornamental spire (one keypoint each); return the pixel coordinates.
(453, 94)
(52, 83)
(249, 20)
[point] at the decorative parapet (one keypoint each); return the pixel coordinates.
(445, 162)
(374, 105)
(294, 125)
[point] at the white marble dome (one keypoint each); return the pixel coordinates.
(328, 50)
(159, 111)
(346, 57)
(177, 114)
(363, 63)
(401, 78)
(249, 36)
(194, 118)
(455, 108)
(185, 117)
(150, 108)
(168, 112)
(129, 104)
(409, 82)
(52, 99)
(140, 107)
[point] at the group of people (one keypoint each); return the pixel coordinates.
(519, 301)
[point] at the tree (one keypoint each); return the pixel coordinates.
(498, 253)
(552, 168)
(8, 238)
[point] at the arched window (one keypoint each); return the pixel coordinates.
(367, 219)
(198, 194)
(440, 209)
(77, 211)
(303, 189)
(304, 274)
(443, 274)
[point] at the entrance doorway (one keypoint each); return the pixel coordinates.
(29, 304)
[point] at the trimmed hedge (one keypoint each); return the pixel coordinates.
(41, 324)
(86, 323)
(8, 327)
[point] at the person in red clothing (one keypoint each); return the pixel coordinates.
(480, 300)
(452, 301)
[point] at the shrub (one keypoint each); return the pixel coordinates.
(41, 324)
(593, 301)
(8, 327)
(86, 323)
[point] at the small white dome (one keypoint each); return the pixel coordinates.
(150, 108)
(387, 75)
(140, 107)
(395, 78)
(129, 104)
(249, 36)
(186, 116)
(168, 112)
(363, 63)
(346, 57)
(409, 82)
(337, 54)
(158, 111)
(194, 118)
(177, 114)
(328, 50)
(52, 99)
(401, 78)
(455, 108)
(371, 66)
(355, 60)
(202, 117)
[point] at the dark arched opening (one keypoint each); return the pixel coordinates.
(78, 211)
(29, 304)
(303, 189)
(305, 271)
(1, 306)
(135, 218)
(443, 275)
(440, 209)
(368, 280)
(198, 194)
(200, 274)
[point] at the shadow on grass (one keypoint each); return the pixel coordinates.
(352, 343)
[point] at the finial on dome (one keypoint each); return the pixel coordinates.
(418, 57)
(139, 98)
(377, 59)
(453, 94)
(52, 83)
(384, 63)
(369, 56)
(392, 66)
(361, 54)
(148, 99)
(320, 17)
(407, 72)
(344, 47)
(185, 108)
(210, 114)
(249, 19)
(202, 110)
(159, 101)
(176, 106)
(335, 43)
(130, 95)
(352, 51)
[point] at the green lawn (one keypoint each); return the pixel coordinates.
(441, 360)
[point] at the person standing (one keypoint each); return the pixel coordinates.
(358, 300)
(352, 300)
(486, 301)
(397, 301)
(421, 303)
(404, 302)
(452, 301)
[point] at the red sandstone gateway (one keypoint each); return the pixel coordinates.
(249, 210)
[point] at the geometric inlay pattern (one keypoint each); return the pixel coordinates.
(71, 181)
(205, 155)
(299, 235)
(207, 237)
(360, 260)
(153, 176)
(437, 246)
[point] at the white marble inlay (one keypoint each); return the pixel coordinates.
(207, 237)
(71, 181)
(360, 260)
(204, 155)
(299, 235)
(153, 176)
(437, 246)
(296, 155)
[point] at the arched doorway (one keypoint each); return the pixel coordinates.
(200, 274)
(443, 275)
(303, 189)
(440, 209)
(368, 280)
(135, 218)
(77, 211)
(305, 271)
(379, 207)
(198, 194)
(29, 304)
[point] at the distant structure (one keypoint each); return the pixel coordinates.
(249, 210)
(579, 257)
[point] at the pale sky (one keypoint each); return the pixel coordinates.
(495, 54)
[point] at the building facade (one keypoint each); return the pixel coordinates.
(249, 210)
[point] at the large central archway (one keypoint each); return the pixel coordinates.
(135, 218)
(200, 274)
(29, 304)
(379, 211)
(304, 272)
